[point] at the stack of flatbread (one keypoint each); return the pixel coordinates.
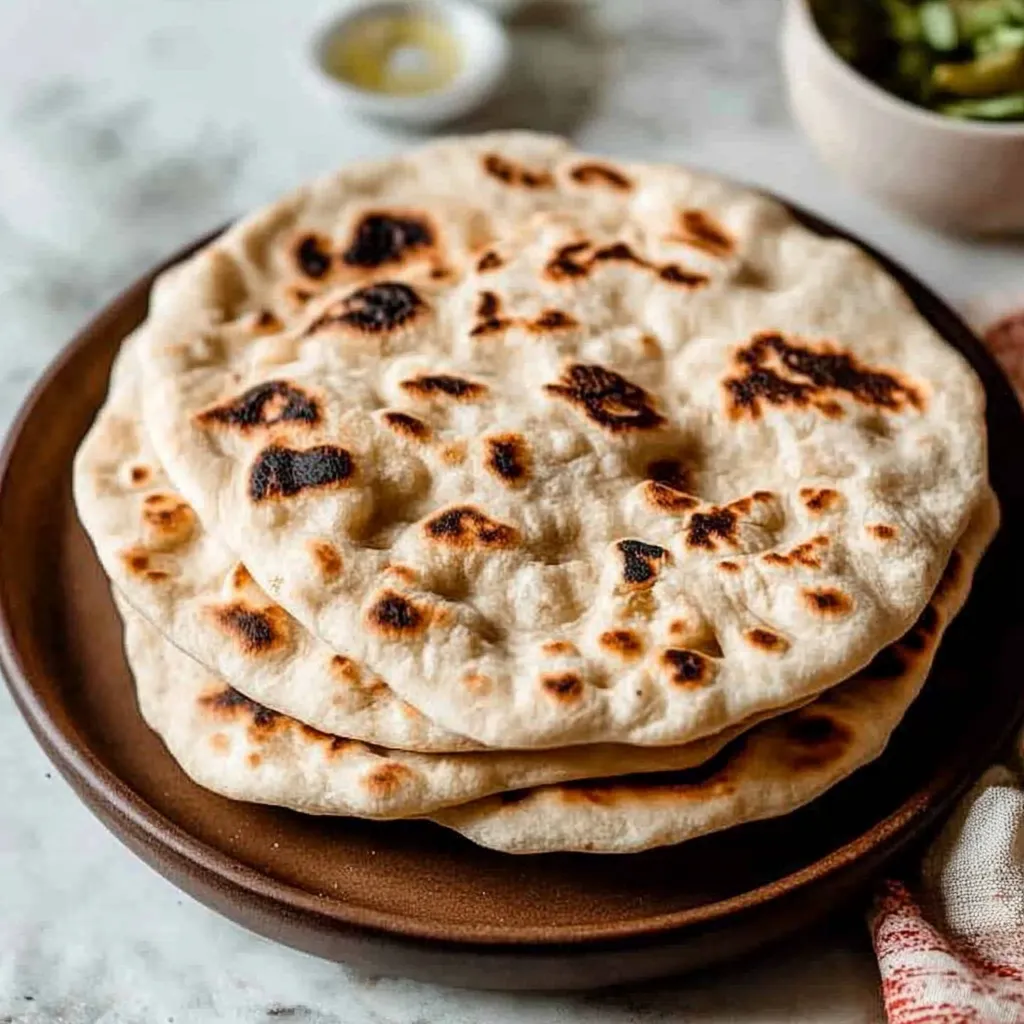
(573, 505)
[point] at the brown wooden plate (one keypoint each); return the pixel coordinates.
(411, 898)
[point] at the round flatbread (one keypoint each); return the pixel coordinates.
(181, 578)
(172, 573)
(242, 749)
(601, 452)
(765, 773)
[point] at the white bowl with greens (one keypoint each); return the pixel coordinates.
(919, 103)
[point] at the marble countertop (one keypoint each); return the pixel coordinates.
(126, 129)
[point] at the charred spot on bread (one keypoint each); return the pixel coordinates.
(606, 398)
(281, 472)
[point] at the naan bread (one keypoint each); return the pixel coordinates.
(241, 749)
(169, 571)
(594, 452)
(768, 772)
(245, 751)
(180, 577)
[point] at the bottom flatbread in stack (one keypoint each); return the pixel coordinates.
(242, 749)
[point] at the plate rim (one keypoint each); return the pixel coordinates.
(94, 782)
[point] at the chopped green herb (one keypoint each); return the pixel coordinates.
(977, 17)
(964, 58)
(905, 21)
(1005, 37)
(938, 25)
(998, 108)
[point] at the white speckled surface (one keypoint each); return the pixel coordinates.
(126, 128)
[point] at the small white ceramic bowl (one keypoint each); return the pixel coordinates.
(480, 36)
(957, 175)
